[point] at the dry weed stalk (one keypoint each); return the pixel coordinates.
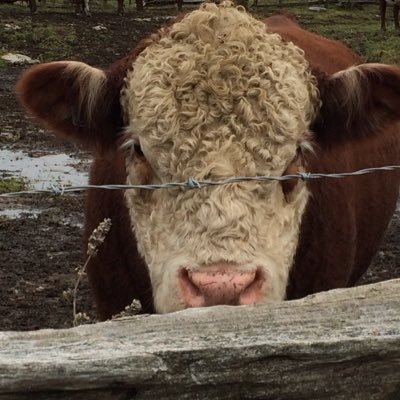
(95, 240)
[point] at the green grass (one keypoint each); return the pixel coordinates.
(9, 185)
(49, 40)
(3, 63)
(53, 40)
(358, 28)
(56, 33)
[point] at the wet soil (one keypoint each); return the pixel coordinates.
(39, 254)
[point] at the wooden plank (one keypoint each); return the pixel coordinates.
(342, 344)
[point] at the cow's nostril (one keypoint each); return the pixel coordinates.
(220, 285)
(189, 290)
(253, 292)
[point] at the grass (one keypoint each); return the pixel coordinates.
(9, 185)
(3, 63)
(54, 40)
(56, 33)
(358, 28)
(48, 40)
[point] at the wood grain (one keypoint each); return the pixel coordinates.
(341, 344)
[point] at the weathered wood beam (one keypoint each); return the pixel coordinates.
(342, 344)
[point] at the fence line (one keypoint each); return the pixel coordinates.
(192, 183)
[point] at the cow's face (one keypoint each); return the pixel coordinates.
(217, 97)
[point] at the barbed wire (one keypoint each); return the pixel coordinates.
(192, 183)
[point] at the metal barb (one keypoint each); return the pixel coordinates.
(192, 183)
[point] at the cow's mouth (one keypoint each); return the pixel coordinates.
(221, 284)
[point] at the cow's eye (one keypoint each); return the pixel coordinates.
(139, 168)
(288, 186)
(137, 148)
(293, 168)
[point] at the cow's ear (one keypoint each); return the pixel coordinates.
(357, 102)
(74, 100)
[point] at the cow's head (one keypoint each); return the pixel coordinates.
(214, 96)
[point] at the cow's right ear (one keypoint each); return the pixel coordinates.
(74, 100)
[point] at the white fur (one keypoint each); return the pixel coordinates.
(91, 82)
(218, 97)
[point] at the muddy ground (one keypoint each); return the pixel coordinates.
(39, 253)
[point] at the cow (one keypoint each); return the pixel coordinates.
(220, 94)
(396, 9)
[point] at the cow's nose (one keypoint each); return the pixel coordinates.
(220, 285)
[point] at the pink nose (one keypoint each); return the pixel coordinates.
(218, 284)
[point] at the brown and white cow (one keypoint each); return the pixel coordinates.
(219, 94)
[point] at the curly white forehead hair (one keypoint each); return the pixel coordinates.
(218, 64)
(216, 96)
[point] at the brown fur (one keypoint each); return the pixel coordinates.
(118, 274)
(323, 54)
(345, 218)
(337, 254)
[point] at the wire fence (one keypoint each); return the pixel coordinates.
(192, 183)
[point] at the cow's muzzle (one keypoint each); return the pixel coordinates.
(222, 283)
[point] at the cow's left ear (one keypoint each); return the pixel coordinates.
(357, 102)
(76, 101)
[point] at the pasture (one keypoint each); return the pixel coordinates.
(40, 235)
